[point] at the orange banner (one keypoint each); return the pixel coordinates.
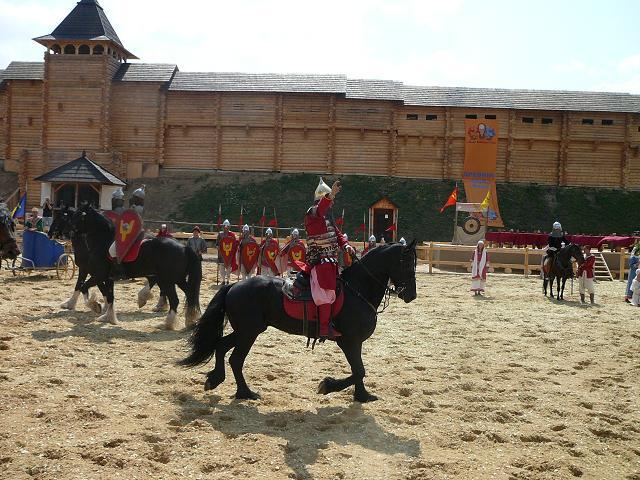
(479, 173)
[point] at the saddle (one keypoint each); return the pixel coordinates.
(298, 303)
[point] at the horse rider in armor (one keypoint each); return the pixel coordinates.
(556, 239)
(117, 201)
(324, 238)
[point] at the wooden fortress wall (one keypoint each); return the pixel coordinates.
(135, 128)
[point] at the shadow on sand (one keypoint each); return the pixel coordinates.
(305, 433)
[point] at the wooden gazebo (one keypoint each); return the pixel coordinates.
(382, 215)
(80, 180)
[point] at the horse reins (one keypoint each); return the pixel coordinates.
(388, 291)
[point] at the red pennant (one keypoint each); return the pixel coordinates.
(452, 200)
(392, 228)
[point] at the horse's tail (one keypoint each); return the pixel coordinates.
(208, 331)
(194, 279)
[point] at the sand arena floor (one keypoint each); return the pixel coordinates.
(513, 386)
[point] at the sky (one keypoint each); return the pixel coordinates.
(541, 44)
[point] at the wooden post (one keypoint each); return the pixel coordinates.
(562, 152)
(430, 257)
(446, 157)
(393, 143)
(162, 125)
(526, 261)
(510, 145)
(277, 134)
(622, 264)
(331, 147)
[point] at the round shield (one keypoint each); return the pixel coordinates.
(471, 225)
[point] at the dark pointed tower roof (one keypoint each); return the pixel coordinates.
(87, 21)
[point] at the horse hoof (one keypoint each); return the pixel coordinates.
(247, 395)
(324, 386)
(365, 398)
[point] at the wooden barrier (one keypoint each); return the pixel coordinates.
(526, 259)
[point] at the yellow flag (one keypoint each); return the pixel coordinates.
(485, 203)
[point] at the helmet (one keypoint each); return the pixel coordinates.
(139, 192)
(118, 194)
(163, 226)
(346, 237)
(269, 232)
(403, 241)
(557, 226)
(322, 189)
(372, 238)
(245, 228)
(226, 223)
(295, 233)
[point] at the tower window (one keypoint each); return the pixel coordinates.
(431, 117)
(547, 121)
(98, 50)
(412, 116)
(490, 117)
(527, 119)
(56, 49)
(607, 121)
(84, 50)
(471, 116)
(70, 49)
(587, 121)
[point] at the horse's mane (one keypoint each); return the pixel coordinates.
(101, 223)
(367, 260)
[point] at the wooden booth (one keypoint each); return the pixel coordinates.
(78, 181)
(382, 215)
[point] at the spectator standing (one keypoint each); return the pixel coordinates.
(197, 243)
(634, 261)
(47, 214)
(585, 275)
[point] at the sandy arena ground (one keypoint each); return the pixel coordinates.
(512, 386)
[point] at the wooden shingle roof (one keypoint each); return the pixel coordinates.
(81, 170)
(24, 71)
(251, 82)
(146, 72)
(87, 21)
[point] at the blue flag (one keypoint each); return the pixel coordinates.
(21, 208)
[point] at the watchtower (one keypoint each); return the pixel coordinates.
(83, 55)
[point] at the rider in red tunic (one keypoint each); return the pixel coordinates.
(323, 240)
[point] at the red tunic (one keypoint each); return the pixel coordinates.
(227, 248)
(323, 241)
(587, 266)
(269, 249)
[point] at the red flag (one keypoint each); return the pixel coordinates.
(340, 221)
(360, 228)
(452, 200)
(263, 218)
(392, 228)
(273, 222)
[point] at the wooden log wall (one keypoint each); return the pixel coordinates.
(75, 102)
(4, 124)
(135, 120)
(78, 108)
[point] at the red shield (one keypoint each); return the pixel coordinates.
(128, 231)
(249, 254)
(228, 249)
(111, 215)
(297, 253)
(270, 254)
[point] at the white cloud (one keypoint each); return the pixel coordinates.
(631, 63)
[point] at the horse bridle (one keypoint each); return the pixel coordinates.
(388, 291)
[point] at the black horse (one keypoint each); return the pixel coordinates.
(8, 244)
(561, 268)
(163, 258)
(62, 227)
(255, 304)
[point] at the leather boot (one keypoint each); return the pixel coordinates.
(592, 298)
(582, 298)
(326, 328)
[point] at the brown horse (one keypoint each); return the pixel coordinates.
(8, 244)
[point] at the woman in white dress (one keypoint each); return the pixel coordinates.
(479, 267)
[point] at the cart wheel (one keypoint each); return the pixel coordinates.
(66, 267)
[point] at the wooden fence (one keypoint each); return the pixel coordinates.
(527, 260)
